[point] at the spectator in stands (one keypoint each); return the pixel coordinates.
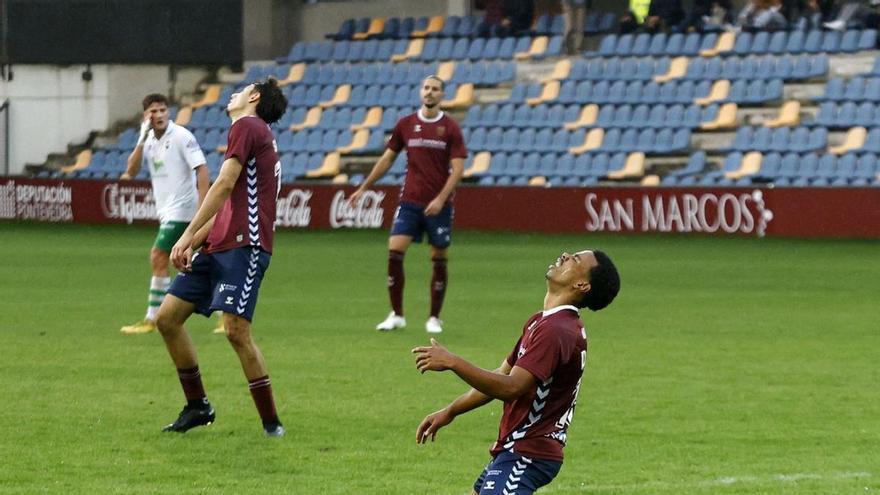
(709, 16)
(575, 15)
(762, 15)
(664, 15)
(813, 14)
(852, 14)
(633, 18)
(506, 17)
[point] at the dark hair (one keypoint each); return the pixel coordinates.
(604, 283)
(436, 78)
(273, 103)
(154, 98)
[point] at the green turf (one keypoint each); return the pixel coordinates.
(726, 366)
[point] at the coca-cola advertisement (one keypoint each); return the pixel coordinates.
(753, 212)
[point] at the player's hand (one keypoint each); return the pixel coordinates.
(146, 125)
(434, 207)
(433, 422)
(352, 200)
(181, 253)
(433, 358)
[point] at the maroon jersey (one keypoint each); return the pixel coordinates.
(430, 145)
(247, 218)
(553, 348)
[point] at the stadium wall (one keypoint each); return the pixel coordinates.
(53, 106)
(752, 212)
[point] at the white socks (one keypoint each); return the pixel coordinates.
(158, 287)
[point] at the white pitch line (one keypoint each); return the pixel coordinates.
(724, 481)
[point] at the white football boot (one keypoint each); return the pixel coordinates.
(434, 325)
(391, 323)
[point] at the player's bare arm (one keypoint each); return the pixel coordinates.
(181, 253)
(436, 205)
(468, 401)
(501, 386)
(203, 182)
(202, 235)
(378, 171)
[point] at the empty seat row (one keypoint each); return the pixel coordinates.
(519, 164)
(799, 139)
(480, 73)
(847, 114)
(608, 116)
(649, 140)
(848, 167)
(856, 89)
(424, 50)
(791, 68)
(327, 140)
(618, 92)
(744, 43)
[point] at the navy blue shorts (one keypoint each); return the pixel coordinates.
(227, 281)
(512, 474)
(410, 220)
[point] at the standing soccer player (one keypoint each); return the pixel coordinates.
(235, 226)
(180, 181)
(435, 153)
(538, 382)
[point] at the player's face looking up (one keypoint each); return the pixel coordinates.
(158, 113)
(240, 100)
(432, 92)
(572, 269)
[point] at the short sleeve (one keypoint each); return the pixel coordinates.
(192, 152)
(395, 143)
(542, 354)
(456, 144)
(514, 353)
(240, 137)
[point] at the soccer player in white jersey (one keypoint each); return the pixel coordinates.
(179, 175)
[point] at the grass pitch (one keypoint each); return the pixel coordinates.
(726, 366)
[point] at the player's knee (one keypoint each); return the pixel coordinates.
(238, 331)
(167, 323)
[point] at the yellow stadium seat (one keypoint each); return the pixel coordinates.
(633, 168)
(377, 24)
(464, 97)
(341, 96)
(446, 70)
(726, 118)
(560, 71)
(549, 92)
(538, 181)
(184, 115)
(539, 46)
(297, 71)
(593, 140)
(587, 117)
(212, 94)
(677, 69)
(652, 180)
(371, 119)
(720, 90)
(789, 115)
(340, 179)
(855, 139)
(359, 140)
(750, 165)
(329, 167)
(480, 165)
(414, 49)
(83, 159)
(313, 116)
(435, 25)
(724, 44)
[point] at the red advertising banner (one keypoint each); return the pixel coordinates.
(783, 212)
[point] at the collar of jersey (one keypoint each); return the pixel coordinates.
(430, 121)
(553, 311)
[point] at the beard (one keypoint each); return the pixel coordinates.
(430, 105)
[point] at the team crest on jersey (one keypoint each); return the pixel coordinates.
(417, 128)
(441, 130)
(167, 145)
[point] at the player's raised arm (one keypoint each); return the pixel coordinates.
(382, 165)
(135, 158)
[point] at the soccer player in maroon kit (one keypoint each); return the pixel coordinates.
(435, 155)
(538, 382)
(234, 227)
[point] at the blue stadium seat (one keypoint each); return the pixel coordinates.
(450, 26)
(795, 42)
(674, 45)
(849, 42)
(813, 42)
(868, 39)
(608, 45)
(490, 50)
(431, 49)
(624, 45)
(657, 47)
(507, 48)
(831, 42)
(760, 43)
(777, 42)
(474, 51)
(460, 48)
